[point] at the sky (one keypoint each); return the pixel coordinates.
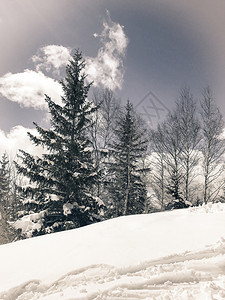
(145, 51)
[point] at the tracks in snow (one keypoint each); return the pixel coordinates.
(191, 275)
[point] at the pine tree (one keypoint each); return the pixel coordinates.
(61, 179)
(7, 233)
(126, 186)
(4, 180)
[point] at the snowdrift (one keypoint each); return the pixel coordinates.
(166, 254)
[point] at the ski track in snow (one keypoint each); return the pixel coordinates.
(196, 275)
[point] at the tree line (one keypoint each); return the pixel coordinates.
(100, 160)
(189, 148)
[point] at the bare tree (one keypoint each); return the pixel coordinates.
(213, 145)
(102, 130)
(167, 172)
(175, 143)
(173, 149)
(158, 172)
(105, 118)
(189, 127)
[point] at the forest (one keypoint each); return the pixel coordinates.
(100, 160)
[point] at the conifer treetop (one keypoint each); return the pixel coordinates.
(65, 172)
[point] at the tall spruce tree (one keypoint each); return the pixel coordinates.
(61, 179)
(126, 186)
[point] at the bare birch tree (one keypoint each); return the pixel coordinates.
(189, 127)
(213, 145)
(158, 172)
(102, 130)
(172, 146)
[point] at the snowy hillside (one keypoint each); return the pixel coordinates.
(177, 254)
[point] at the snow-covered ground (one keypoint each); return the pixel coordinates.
(177, 254)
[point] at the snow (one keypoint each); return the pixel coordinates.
(177, 254)
(76, 174)
(88, 149)
(30, 223)
(54, 197)
(67, 207)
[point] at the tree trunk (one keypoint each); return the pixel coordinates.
(128, 182)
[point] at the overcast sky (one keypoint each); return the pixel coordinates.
(144, 50)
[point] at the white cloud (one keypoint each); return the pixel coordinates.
(107, 68)
(28, 88)
(52, 58)
(16, 139)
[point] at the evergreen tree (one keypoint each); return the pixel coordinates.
(7, 233)
(126, 186)
(4, 180)
(61, 179)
